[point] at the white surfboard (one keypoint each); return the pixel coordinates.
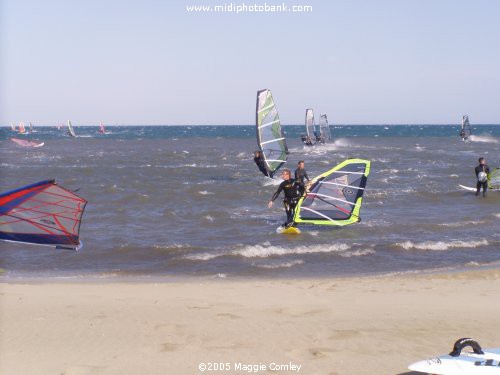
(468, 188)
(477, 362)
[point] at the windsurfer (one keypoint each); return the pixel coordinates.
(291, 189)
(307, 140)
(301, 175)
(482, 171)
(259, 160)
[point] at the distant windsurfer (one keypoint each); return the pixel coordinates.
(307, 140)
(462, 134)
(291, 189)
(482, 171)
(301, 176)
(259, 160)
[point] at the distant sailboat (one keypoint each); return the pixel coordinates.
(22, 130)
(31, 128)
(101, 128)
(71, 131)
(13, 127)
(310, 137)
(465, 131)
(324, 129)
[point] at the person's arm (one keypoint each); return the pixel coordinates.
(306, 176)
(275, 195)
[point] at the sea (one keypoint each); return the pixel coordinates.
(175, 201)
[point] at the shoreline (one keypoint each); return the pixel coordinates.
(179, 278)
(327, 326)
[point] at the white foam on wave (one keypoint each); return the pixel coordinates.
(462, 223)
(280, 265)
(271, 182)
(205, 192)
(267, 250)
(441, 245)
(209, 218)
(357, 253)
(483, 138)
(202, 256)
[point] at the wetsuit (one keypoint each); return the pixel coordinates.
(300, 175)
(262, 166)
(291, 189)
(482, 168)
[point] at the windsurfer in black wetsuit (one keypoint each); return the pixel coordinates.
(291, 189)
(482, 171)
(300, 175)
(259, 160)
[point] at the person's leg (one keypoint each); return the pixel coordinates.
(485, 188)
(478, 188)
(288, 210)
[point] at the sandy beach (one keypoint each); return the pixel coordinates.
(374, 325)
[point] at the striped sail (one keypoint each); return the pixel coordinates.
(335, 196)
(270, 137)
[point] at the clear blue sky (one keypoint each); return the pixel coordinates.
(152, 62)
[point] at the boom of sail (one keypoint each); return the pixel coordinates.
(335, 196)
(270, 137)
(43, 213)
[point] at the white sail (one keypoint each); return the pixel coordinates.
(465, 131)
(270, 137)
(71, 131)
(310, 126)
(324, 128)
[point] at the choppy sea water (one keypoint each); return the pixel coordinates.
(190, 201)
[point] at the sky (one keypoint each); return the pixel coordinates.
(152, 62)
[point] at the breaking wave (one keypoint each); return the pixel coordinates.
(441, 245)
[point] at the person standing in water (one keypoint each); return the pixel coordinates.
(259, 160)
(291, 189)
(301, 175)
(482, 171)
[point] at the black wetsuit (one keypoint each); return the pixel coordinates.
(300, 175)
(262, 166)
(482, 168)
(291, 189)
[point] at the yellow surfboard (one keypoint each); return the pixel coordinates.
(289, 230)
